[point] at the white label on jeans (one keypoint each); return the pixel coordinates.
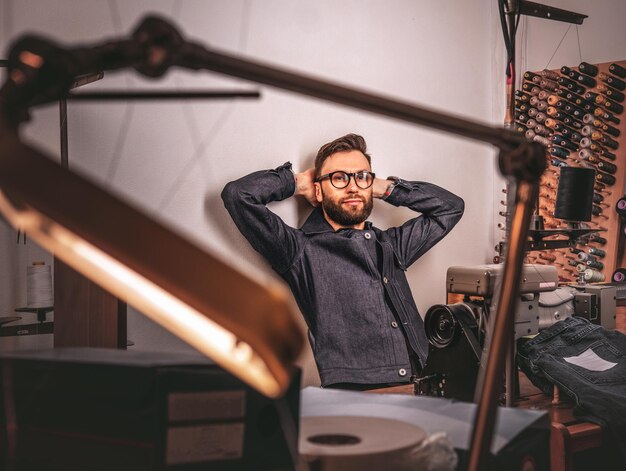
(590, 361)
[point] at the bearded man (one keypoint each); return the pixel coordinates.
(347, 276)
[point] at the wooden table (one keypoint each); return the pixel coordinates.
(568, 435)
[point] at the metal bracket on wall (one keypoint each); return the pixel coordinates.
(550, 13)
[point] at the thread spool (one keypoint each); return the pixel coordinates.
(543, 95)
(620, 206)
(528, 75)
(595, 264)
(605, 115)
(39, 285)
(541, 140)
(613, 106)
(597, 239)
(607, 167)
(550, 74)
(571, 121)
(607, 154)
(605, 178)
(522, 117)
(548, 84)
(575, 194)
(542, 129)
(593, 276)
(597, 252)
(618, 70)
(611, 93)
(560, 141)
(585, 80)
(607, 141)
(619, 275)
(588, 69)
(612, 81)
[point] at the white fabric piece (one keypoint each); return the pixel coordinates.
(590, 361)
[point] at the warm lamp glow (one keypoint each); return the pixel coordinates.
(183, 321)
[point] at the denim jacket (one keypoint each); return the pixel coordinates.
(358, 309)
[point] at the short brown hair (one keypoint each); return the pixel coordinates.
(341, 144)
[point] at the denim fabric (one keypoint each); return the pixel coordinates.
(358, 310)
(600, 395)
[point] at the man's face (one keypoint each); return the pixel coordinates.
(349, 206)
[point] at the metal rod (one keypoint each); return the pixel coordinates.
(159, 95)
(551, 13)
(509, 379)
(491, 386)
(63, 133)
(511, 18)
(355, 98)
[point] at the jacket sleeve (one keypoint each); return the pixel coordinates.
(246, 199)
(440, 211)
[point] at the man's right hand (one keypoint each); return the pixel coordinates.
(305, 185)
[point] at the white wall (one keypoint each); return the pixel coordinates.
(172, 159)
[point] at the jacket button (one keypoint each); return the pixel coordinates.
(394, 324)
(367, 235)
(402, 372)
(385, 280)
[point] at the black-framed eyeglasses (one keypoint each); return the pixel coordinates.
(341, 179)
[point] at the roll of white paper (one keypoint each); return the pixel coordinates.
(347, 443)
(39, 285)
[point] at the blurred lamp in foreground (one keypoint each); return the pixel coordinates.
(247, 328)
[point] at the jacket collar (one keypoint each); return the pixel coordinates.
(316, 223)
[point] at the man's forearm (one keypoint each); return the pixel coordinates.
(245, 200)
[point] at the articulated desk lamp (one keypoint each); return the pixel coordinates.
(245, 327)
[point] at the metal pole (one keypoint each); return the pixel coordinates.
(491, 387)
(63, 133)
(159, 95)
(382, 105)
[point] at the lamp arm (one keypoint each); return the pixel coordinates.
(41, 71)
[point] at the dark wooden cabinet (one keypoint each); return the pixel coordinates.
(85, 315)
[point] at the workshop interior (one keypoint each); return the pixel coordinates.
(141, 329)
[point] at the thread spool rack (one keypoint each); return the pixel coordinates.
(555, 107)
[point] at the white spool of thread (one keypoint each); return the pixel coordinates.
(342, 443)
(39, 285)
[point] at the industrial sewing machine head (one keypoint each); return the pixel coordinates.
(457, 332)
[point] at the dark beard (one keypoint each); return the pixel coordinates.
(347, 218)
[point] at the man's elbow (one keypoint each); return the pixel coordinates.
(230, 195)
(460, 206)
